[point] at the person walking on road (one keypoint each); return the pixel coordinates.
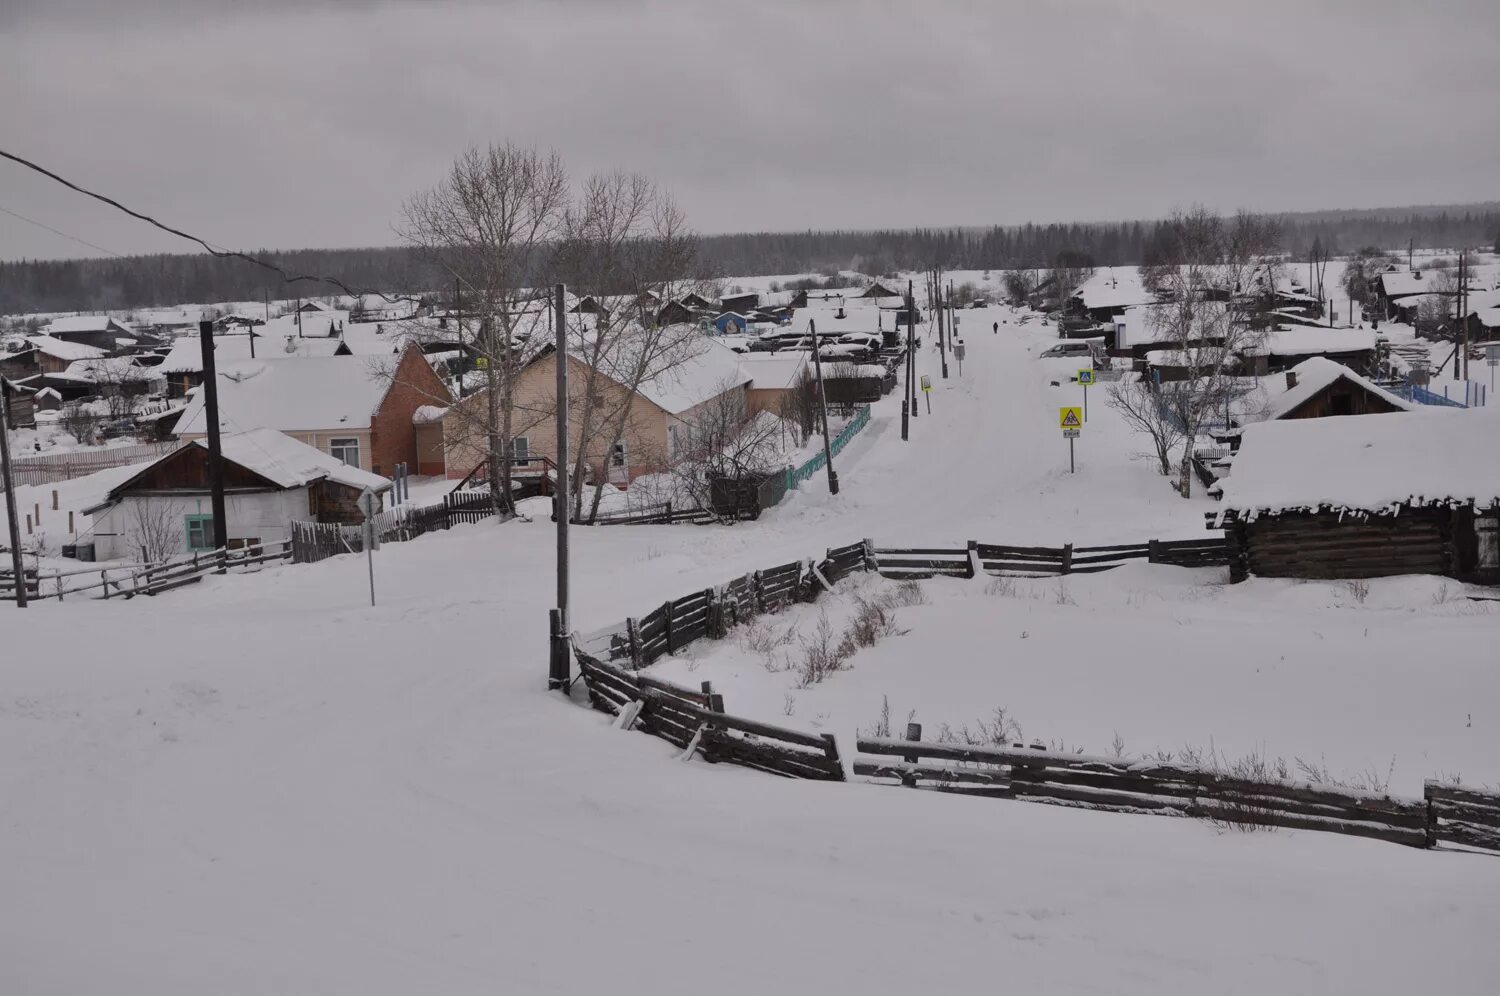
(997, 328)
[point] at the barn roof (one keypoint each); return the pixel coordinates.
(294, 393)
(62, 349)
(1366, 463)
(1316, 374)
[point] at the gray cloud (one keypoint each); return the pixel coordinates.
(285, 124)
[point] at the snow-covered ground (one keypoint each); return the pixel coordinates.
(262, 784)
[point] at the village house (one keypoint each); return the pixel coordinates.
(20, 363)
(663, 413)
(182, 367)
(54, 355)
(775, 379)
(740, 303)
(357, 409)
(1366, 496)
(270, 481)
(1283, 348)
(99, 331)
(1107, 293)
(1320, 387)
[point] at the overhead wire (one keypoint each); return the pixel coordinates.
(54, 231)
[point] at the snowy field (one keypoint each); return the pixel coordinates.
(261, 784)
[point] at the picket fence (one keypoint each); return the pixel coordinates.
(53, 467)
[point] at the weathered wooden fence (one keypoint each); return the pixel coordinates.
(142, 579)
(315, 541)
(52, 467)
(610, 661)
(1446, 814)
(1044, 561)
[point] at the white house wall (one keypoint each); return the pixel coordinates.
(264, 516)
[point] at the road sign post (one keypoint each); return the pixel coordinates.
(367, 509)
(1070, 420)
(1086, 377)
(958, 353)
(927, 390)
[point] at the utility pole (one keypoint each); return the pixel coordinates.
(944, 337)
(559, 670)
(833, 478)
(1463, 334)
(911, 351)
(211, 418)
(906, 389)
(18, 573)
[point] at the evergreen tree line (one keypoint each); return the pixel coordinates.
(122, 283)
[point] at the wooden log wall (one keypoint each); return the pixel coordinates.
(1458, 815)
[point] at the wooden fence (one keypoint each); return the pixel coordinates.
(53, 467)
(141, 579)
(1445, 815)
(610, 661)
(315, 541)
(1045, 561)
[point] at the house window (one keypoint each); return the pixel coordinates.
(520, 449)
(618, 457)
(346, 450)
(200, 532)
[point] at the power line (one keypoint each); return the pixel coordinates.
(210, 249)
(74, 238)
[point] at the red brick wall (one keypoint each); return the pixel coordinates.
(393, 439)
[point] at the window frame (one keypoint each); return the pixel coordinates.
(206, 526)
(344, 443)
(520, 449)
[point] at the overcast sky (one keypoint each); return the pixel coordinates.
(291, 123)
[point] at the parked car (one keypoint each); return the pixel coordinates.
(1072, 347)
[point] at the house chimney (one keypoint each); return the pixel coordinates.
(1291, 379)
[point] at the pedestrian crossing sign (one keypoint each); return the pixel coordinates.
(1070, 418)
(1086, 377)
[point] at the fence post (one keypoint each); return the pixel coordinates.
(710, 728)
(870, 564)
(831, 749)
(973, 551)
(558, 664)
(104, 577)
(713, 622)
(1431, 824)
(633, 635)
(757, 589)
(1067, 558)
(913, 732)
(666, 611)
(1153, 552)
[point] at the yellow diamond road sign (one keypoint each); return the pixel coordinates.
(1070, 418)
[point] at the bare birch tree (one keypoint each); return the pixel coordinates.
(1144, 409)
(156, 529)
(488, 224)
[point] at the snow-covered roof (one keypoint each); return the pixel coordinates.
(109, 369)
(775, 371)
(1114, 287)
(63, 350)
(1317, 373)
(428, 413)
(706, 370)
(84, 323)
(293, 394)
(186, 354)
(1307, 339)
(1368, 463)
(1401, 283)
(278, 458)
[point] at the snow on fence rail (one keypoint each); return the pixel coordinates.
(53, 467)
(1445, 814)
(141, 579)
(1042, 561)
(610, 660)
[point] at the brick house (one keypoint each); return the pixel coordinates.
(357, 408)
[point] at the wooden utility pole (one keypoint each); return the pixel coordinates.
(215, 452)
(560, 671)
(18, 574)
(833, 478)
(906, 389)
(945, 331)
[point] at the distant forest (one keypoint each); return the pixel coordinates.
(161, 280)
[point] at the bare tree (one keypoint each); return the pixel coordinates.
(78, 422)
(155, 529)
(487, 224)
(1144, 409)
(119, 384)
(1206, 280)
(1362, 277)
(722, 440)
(626, 247)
